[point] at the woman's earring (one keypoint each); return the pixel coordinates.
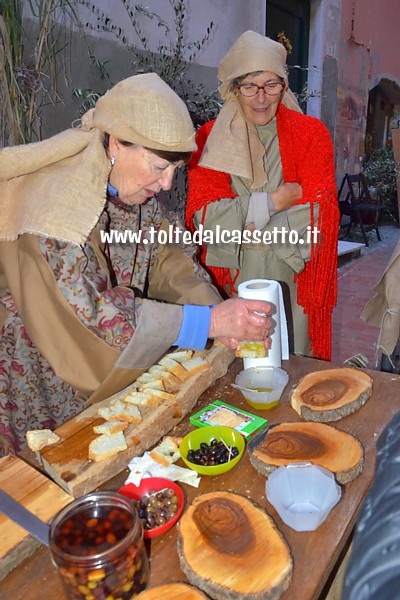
(112, 161)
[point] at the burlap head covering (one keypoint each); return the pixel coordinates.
(57, 188)
(233, 145)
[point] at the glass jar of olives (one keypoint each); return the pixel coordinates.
(96, 542)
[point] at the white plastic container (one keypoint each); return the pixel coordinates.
(264, 386)
(303, 494)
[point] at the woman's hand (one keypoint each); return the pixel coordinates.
(237, 319)
(286, 195)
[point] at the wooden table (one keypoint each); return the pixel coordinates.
(315, 554)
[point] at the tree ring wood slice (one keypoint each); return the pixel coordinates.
(231, 549)
(331, 394)
(318, 443)
(172, 591)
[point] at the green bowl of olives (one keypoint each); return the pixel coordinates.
(212, 450)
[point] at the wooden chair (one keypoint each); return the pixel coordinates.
(356, 202)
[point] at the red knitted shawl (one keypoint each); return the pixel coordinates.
(307, 158)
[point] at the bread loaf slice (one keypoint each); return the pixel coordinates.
(160, 395)
(156, 384)
(174, 367)
(150, 380)
(195, 365)
(121, 411)
(110, 427)
(170, 381)
(143, 398)
(181, 356)
(105, 446)
(40, 438)
(166, 452)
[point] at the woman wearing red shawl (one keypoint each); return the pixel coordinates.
(262, 167)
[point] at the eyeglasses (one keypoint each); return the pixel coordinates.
(273, 88)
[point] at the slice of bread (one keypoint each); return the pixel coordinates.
(121, 411)
(38, 439)
(150, 380)
(126, 398)
(134, 397)
(196, 365)
(110, 427)
(181, 356)
(161, 395)
(144, 398)
(174, 367)
(170, 381)
(250, 350)
(175, 438)
(146, 376)
(166, 452)
(105, 446)
(155, 384)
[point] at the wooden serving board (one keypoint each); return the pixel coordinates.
(331, 394)
(172, 591)
(231, 549)
(324, 445)
(35, 492)
(67, 462)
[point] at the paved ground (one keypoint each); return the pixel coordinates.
(356, 280)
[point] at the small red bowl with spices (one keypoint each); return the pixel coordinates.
(159, 502)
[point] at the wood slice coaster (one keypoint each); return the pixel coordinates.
(324, 445)
(172, 591)
(231, 549)
(331, 394)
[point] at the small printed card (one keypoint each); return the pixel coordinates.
(220, 413)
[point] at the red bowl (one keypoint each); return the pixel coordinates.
(135, 492)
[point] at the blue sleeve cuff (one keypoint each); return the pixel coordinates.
(195, 327)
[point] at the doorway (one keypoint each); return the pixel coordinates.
(293, 18)
(383, 104)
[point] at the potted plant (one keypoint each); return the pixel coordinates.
(380, 171)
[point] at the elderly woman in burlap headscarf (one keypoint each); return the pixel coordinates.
(74, 321)
(262, 165)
